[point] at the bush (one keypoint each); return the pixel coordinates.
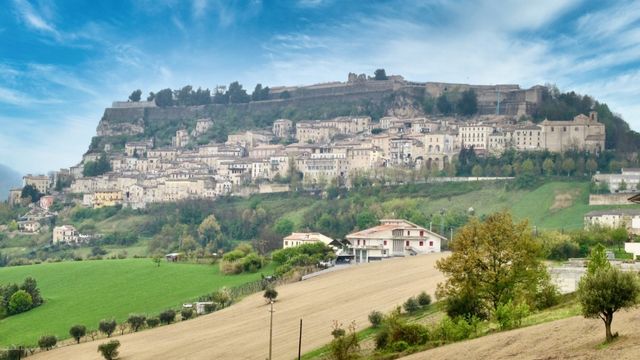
(375, 318)
(109, 350)
(466, 306)
(270, 294)
(153, 322)
(107, 327)
(456, 329)
(509, 315)
(136, 321)
(167, 316)
(231, 267)
(344, 346)
(395, 329)
(209, 308)
(252, 263)
(15, 353)
(547, 297)
(424, 299)
(411, 305)
(186, 313)
(47, 342)
(19, 302)
(77, 332)
(399, 346)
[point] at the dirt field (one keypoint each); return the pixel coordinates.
(241, 331)
(572, 338)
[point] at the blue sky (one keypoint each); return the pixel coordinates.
(62, 62)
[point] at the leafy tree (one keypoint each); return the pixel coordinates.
(31, 286)
(164, 98)
(107, 327)
(424, 299)
(167, 316)
(411, 305)
(598, 260)
(622, 186)
(237, 94)
(366, 219)
(568, 165)
(19, 302)
(444, 105)
(618, 236)
(209, 231)
(468, 103)
(109, 350)
(260, 93)
(344, 346)
(135, 95)
(136, 322)
(47, 342)
(380, 74)
(77, 332)
(605, 292)
(492, 262)
(153, 322)
(151, 96)
(96, 168)
(476, 171)
(285, 95)
(283, 227)
(186, 314)
(375, 318)
(548, 166)
(270, 294)
(30, 192)
(528, 167)
(591, 166)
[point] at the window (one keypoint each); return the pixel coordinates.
(408, 233)
(407, 243)
(358, 241)
(421, 243)
(286, 243)
(421, 232)
(430, 243)
(385, 242)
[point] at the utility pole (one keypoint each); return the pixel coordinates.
(300, 341)
(270, 329)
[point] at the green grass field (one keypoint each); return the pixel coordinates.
(88, 291)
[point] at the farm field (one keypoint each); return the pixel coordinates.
(242, 330)
(86, 292)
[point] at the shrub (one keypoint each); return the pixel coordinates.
(456, 329)
(466, 306)
(411, 305)
(231, 267)
(399, 346)
(107, 327)
(136, 321)
(153, 322)
(109, 350)
(424, 299)
(395, 329)
(19, 302)
(167, 316)
(15, 353)
(547, 297)
(77, 332)
(209, 308)
(270, 294)
(222, 298)
(186, 313)
(252, 262)
(344, 346)
(47, 342)
(375, 318)
(509, 315)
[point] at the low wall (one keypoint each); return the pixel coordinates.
(610, 199)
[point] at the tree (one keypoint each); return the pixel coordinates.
(260, 93)
(31, 286)
(122, 327)
(622, 186)
(468, 103)
(591, 165)
(568, 165)
(47, 342)
(444, 105)
(548, 166)
(167, 316)
(164, 98)
(77, 332)
(237, 94)
(344, 346)
(606, 291)
(153, 322)
(186, 314)
(598, 260)
(270, 294)
(136, 322)
(107, 327)
(96, 168)
(528, 167)
(151, 96)
(283, 227)
(157, 260)
(19, 302)
(476, 171)
(135, 95)
(209, 231)
(618, 236)
(285, 95)
(380, 74)
(109, 350)
(366, 219)
(30, 192)
(492, 262)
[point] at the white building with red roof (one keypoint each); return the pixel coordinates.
(296, 239)
(393, 237)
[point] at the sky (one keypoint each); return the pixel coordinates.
(62, 62)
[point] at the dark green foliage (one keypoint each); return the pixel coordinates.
(96, 168)
(107, 327)
(345, 345)
(16, 299)
(124, 238)
(260, 93)
(109, 350)
(135, 95)
(77, 332)
(411, 305)
(468, 103)
(167, 316)
(136, 321)
(186, 314)
(47, 342)
(270, 294)
(164, 98)
(13, 353)
(153, 322)
(444, 105)
(19, 302)
(380, 74)
(395, 329)
(376, 318)
(424, 299)
(237, 94)
(30, 192)
(510, 315)
(283, 227)
(300, 256)
(285, 95)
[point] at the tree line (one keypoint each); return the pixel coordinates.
(16, 299)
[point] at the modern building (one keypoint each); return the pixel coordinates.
(297, 239)
(393, 237)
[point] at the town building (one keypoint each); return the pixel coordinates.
(66, 234)
(297, 239)
(626, 218)
(40, 182)
(282, 128)
(627, 181)
(393, 237)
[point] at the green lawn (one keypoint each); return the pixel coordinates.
(88, 291)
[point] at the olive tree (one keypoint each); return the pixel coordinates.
(77, 332)
(107, 327)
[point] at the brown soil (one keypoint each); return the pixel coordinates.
(563, 200)
(242, 330)
(572, 338)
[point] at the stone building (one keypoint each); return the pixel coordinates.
(282, 128)
(40, 182)
(581, 133)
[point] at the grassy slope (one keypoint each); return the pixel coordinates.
(86, 292)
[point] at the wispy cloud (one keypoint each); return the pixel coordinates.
(32, 18)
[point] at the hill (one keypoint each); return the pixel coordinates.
(9, 179)
(89, 291)
(572, 338)
(242, 330)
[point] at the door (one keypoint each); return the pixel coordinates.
(398, 249)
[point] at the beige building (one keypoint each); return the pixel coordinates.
(581, 133)
(282, 128)
(629, 177)
(297, 239)
(181, 139)
(66, 234)
(627, 218)
(40, 182)
(393, 237)
(107, 198)
(29, 226)
(202, 125)
(476, 135)
(15, 196)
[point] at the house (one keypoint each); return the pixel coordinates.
(29, 226)
(627, 218)
(40, 182)
(46, 202)
(296, 239)
(65, 234)
(393, 237)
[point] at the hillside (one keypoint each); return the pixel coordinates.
(89, 291)
(9, 179)
(572, 338)
(242, 330)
